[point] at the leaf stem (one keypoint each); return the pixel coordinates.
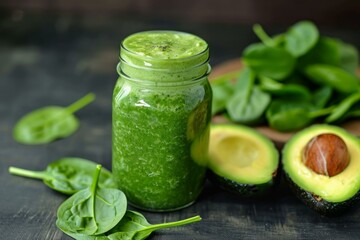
(28, 173)
(263, 36)
(343, 107)
(82, 102)
(321, 112)
(355, 113)
(93, 189)
(174, 224)
(95, 179)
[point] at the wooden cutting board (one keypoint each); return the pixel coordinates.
(278, 137)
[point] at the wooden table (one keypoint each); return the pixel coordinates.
(54, 60)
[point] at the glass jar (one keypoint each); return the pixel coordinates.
(161, 116)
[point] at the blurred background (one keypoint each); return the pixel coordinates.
(221, 22)
(329, 12)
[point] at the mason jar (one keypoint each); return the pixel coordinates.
(161, 115)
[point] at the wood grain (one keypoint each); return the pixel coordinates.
(279, 138)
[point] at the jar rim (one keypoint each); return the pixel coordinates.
(143, 67)
(163, 83)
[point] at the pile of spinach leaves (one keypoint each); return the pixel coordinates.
(291, 80)
(96, 209)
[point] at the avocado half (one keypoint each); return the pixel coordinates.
(241, 160)
(326, 195)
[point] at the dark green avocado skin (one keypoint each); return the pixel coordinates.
(320, 205)
(243, 190)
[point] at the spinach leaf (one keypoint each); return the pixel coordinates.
(47, 124)
(301, 37)
(288, 115)
(334, 77)
(349, 57)
(334, 52)
(134, 226)
(222, 89)
(68, 175)
(326, 51)
(290, 90)
(248, 108)
(343, 107)
(285, 115)
(272, 62)
(322, 96)
(92, 211)
(246, 80)
(248, 103)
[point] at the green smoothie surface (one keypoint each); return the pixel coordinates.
(165, 44)
(162, 52)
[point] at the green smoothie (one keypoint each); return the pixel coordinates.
(161, 115)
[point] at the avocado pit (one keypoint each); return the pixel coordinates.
(326, 154)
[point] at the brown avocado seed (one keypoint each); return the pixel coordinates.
(326, 154)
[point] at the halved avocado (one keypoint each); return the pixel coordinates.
(241, 160)
(326, 195)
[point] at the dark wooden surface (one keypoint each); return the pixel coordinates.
(54, 60)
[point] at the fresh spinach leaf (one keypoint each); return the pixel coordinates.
(349, 57)
(301, 37)
(284, 115)
(134, 226)
(68, 175)
(92, 211)
(222, 89)
(288, 115)
(221, 93)
(245, 80)
(47, 124)
(326, 51)
(248, 107)
(334, 52)
(334, 77)
(322, 96)
(290, 90)
(343, 107)
(248, 103)
(272, 62)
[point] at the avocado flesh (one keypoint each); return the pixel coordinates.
(241, 160)
(324, 194)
